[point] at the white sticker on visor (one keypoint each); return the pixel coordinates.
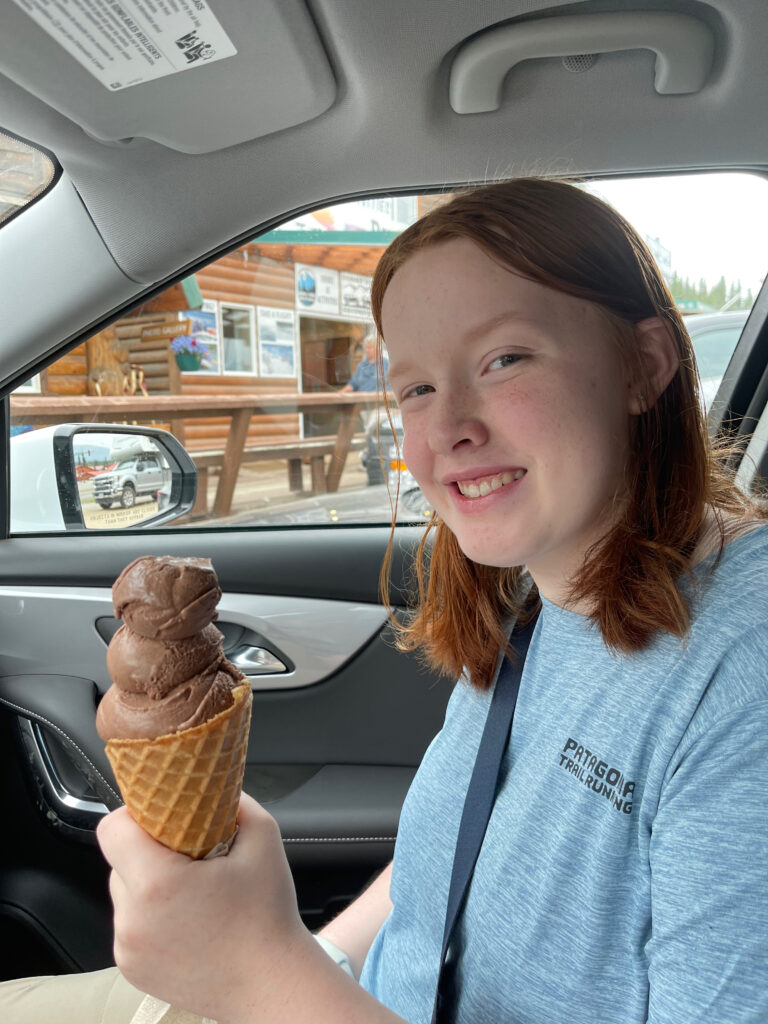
(128, 42)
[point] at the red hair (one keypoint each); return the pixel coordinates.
(561, 236)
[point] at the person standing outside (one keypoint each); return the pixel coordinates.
(367, 377)
(367, 374)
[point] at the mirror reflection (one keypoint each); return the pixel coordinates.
(122, 479)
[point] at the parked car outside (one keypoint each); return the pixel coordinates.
(383, 460)
(714, 337)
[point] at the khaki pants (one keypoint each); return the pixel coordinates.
(102, 997)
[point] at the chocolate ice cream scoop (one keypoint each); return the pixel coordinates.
(155, 667)
(125, 714)
(167, 663)
(165, 597)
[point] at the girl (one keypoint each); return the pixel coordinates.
(552, 417)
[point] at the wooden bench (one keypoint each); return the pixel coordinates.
(295, 452)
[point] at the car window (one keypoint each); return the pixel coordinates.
(256, 363)
(714, 350)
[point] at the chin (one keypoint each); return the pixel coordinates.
(490, 555)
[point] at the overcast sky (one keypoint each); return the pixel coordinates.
(713, 224)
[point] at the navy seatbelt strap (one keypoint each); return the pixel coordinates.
(481, 792)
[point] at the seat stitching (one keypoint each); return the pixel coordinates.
(340, 839)
(41, 718)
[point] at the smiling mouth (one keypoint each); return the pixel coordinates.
(487, 484)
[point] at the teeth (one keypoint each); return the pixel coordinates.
(479, 488)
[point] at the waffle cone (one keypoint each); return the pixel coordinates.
(184, 788)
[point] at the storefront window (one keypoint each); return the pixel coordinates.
(237, 338)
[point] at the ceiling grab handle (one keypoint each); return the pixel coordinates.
(684, 47)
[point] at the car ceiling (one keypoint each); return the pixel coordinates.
(136, 213)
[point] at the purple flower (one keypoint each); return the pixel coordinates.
(187, 343)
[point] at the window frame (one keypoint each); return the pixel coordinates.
(32, 386)
(215, 307)
(251, 310)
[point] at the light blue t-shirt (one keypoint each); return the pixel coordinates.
(624, 873)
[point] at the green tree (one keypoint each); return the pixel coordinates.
(717, 296)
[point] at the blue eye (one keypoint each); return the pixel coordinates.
(508, 359)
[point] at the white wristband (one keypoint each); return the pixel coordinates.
(337, 955)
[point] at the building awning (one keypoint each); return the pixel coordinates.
(324, 251)
(185, 294)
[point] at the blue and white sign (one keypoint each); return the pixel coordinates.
(317, 289)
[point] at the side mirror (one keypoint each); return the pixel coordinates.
(83, 476)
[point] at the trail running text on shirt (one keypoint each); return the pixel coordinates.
(597, 775)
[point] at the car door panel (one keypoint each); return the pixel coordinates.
(333, 563)
(331, 758)
(54, 908)
(306, 639)
(61, 708)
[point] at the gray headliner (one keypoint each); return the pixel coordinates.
(159, 211)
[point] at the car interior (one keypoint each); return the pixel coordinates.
(170, 145)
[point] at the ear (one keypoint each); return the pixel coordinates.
(658, 363)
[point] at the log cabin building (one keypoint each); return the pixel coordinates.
(286, 312)
(243, 308)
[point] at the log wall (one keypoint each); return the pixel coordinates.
(155, 357)
(244, 276)
(241, 276)
(67, 376)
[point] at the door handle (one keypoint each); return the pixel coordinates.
(684, 47)
(256, 661)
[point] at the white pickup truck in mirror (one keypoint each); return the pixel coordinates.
(105, 476)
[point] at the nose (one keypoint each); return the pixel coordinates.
(455, 421)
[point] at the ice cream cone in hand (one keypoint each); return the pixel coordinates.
(176, 719)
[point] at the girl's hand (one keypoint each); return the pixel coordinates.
(212, 936)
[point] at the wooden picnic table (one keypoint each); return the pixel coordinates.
(48, 410)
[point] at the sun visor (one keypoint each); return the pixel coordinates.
(192, 75)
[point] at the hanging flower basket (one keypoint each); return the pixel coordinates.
(189, 352)
(188, 361)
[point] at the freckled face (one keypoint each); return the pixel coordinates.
(515, 405)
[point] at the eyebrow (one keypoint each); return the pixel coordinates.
(486, 326)
(473, 334)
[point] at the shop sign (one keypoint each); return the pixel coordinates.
(277, 341)
(317, 289)
(172, 330)
(356, 295)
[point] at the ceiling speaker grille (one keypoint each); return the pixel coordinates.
(579, 62)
